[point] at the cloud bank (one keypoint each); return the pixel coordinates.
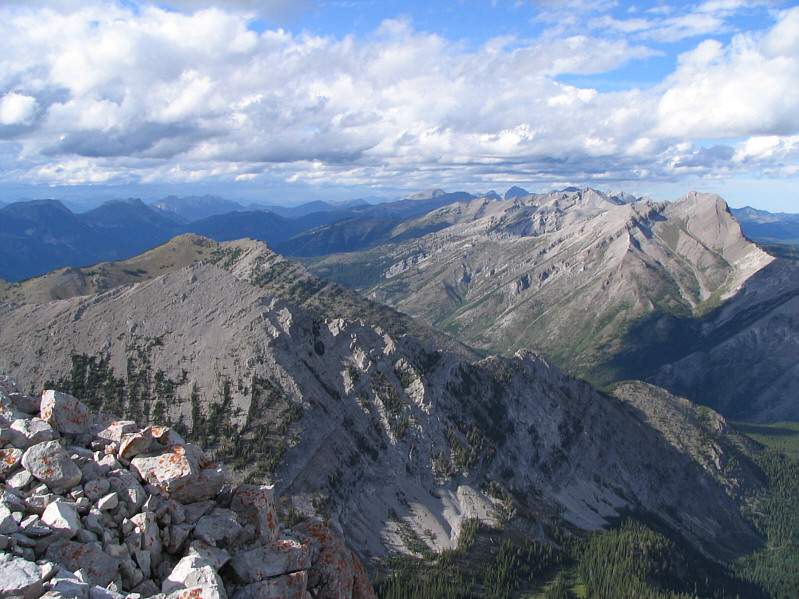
(133, 93)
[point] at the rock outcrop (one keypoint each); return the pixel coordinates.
(93, 507)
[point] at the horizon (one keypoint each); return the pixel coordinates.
(80, 208)
(281, 102)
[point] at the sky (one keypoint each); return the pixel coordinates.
(281, 101)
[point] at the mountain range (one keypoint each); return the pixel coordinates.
(609, 289)
(367, 418)
(402, 435)
(41, 235)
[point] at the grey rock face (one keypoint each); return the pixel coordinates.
(380, 430)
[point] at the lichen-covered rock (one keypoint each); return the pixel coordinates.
(65, 413)
(101, 568)
(126, 513)
(180, 470)
(255, 504)
(335, 567)
(10, 458)
(283, 556)
(49, 463)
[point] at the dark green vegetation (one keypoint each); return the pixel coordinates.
(251, 444)
(631, 560)
(779, 250)
(637, 558)
(777, 566)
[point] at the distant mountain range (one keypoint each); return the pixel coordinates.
(767, 227)
(38, 236)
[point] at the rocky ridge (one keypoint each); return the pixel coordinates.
(608, 287)
(396, 441)
(93, 507)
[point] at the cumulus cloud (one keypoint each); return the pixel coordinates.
(17, 109)
(109, 93)
(744, 89)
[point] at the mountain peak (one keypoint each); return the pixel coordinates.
(425, 194)
(515, 192)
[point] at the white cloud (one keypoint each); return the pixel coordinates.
(108, 94)
(747, 88)
(17, 109)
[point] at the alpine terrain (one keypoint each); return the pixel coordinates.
(608, 288)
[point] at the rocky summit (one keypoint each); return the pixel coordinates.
(93, 507)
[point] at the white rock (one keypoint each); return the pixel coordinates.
(49, 463)
(108, 502)
(33, 430)
(146, 535)
(65, 413)
(62, 516)
(114, 430)
(8, 524)
(193, 572)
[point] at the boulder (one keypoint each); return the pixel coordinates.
(22, 578)
(65, 413)
(192, 572)
(219, 528)
(49, 463)
(284, 556)
(30, 431)
(10, 458)
(63, 517)
(255, 504)
(180, 470)
(101, 568)
(289, 586)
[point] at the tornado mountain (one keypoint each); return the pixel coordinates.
(608, 288)
(366, 418)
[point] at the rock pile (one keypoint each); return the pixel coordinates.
(95, 508)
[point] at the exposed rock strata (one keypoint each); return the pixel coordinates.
(94, 508)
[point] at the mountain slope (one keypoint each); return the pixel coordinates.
(564, 273)
(396, 440)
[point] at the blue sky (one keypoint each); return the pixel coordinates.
(286, 101)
